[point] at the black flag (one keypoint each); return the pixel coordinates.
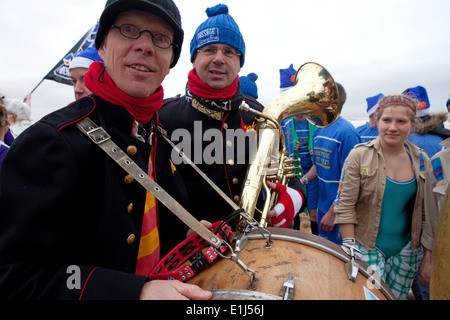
(60, 72)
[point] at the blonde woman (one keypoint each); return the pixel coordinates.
(380, 201)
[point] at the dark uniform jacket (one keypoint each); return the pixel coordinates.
(64, 203)
(179, 118)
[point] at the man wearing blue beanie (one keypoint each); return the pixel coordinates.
(248, 85)
(429, 131)
(78, 68)
(210, 106)
(369, 130)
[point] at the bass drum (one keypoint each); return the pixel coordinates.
(316, 266)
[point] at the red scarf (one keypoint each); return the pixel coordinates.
(204, 91)
(142, 109)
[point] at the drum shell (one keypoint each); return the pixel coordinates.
(317, 266)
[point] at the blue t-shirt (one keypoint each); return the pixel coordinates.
(428, 142)
(367, 133)
(331, 147)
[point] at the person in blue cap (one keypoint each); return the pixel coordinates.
(248, 85)
(78, 68)
(369, 130)
(332, 145)
(425, 135)
(211, 106)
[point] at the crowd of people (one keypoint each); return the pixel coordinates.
(369, 173)
(377, 189)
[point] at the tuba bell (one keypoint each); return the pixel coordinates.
(314, 95)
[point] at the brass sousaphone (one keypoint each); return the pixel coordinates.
(314, 95)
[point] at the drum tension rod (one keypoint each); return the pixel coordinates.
(249, 272)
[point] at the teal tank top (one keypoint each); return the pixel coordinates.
(396, 215)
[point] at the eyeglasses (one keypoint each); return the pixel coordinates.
(212, 51)
(132, 32)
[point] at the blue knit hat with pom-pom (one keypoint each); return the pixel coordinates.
(220, 27)
(287, 77)
(248, 85)
(420, 93)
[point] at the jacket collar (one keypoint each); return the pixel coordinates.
(445, 143)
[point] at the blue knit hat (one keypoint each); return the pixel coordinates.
(420, 93)
(85, 58)
(286, 77)
(220, 27)
(372, 103)
(248, 85)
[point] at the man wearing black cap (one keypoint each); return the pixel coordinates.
(73, 224)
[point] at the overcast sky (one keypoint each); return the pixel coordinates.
(369, 46)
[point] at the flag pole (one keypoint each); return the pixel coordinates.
(42, 80)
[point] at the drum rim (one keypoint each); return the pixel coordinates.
(229, 294)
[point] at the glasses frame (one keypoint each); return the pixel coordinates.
(225, 53)
(171, 44)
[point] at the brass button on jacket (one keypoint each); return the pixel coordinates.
(130, 208)
(131, 238)
(128, 179)
(131, 150)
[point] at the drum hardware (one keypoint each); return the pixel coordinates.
(287, 291)
(252, 225)
(249, 272)
(351, 267)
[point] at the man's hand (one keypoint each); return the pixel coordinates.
(172, 290)
(207, 224)
(425, 267)
(289, 204)
(327, 222)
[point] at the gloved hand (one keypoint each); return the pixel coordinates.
(290, 201)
